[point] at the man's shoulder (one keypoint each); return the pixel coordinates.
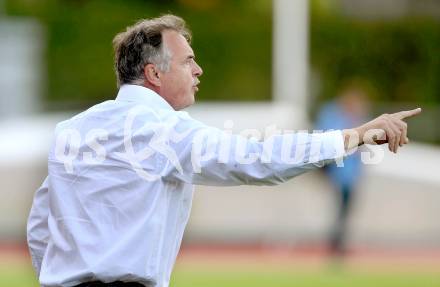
(91, 113)
(116, 116)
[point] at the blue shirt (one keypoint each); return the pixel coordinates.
(332, 116)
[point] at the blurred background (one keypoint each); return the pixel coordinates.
(294, 64)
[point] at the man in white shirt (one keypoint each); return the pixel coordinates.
(113, 208)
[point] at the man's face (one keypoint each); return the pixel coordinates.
(179, 83)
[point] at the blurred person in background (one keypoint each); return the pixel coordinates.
(349, 108)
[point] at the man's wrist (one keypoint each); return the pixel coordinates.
(353, 137)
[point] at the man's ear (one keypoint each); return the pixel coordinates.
(152, 75)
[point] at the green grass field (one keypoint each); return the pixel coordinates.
(217, 278)
(18, 273)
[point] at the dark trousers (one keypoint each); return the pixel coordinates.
(338, 238)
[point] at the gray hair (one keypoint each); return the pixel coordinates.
(142, 44)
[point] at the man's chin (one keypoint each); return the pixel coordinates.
(187, 104)
(190, 104)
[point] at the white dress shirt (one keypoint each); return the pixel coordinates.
(120, 185)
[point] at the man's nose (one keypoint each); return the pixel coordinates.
(197, 70)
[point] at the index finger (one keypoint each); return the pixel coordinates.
(407, 114)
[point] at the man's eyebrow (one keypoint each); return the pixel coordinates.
(189, 57)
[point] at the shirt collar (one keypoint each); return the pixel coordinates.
(142, 95)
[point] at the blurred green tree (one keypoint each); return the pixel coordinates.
(399, 57)
(232, 42)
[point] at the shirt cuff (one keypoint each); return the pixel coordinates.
(332, 145)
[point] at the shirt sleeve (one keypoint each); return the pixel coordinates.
(209, 156)
(37, 226)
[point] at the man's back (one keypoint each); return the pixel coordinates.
(106, 222)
